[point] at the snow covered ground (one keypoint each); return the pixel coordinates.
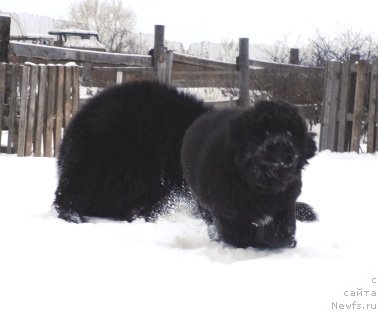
(47, 264)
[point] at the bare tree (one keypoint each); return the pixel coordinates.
(279, 51)
(346, 43)
(113, 22)
(229, 50)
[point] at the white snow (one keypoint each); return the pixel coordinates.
(47, 264)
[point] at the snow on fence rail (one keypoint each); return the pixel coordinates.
(40, 103)
(28, 51)
(350, 107)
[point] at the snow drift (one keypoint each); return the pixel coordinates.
(47, 264)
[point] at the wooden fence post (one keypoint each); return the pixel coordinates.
(23, 111)
(372, 109)
(75, 89)
(294, 57)
(41, 110)
(343, 105)
(34, 70)
(5, 22)
(358, 105)
(86, 74)
(59, 101)
(50, 110)
(3, 71)
(243, 67)
(158, 45)
(330, 104)
(67, 96)
(353, 58)
(162, 59)
(12, 131)
(376, 119)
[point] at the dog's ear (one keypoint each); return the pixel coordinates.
(310, 146)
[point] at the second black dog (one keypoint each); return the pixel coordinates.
(243, 167)
(120, 155)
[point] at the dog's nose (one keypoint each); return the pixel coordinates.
(280, 152)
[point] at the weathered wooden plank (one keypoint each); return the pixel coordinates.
(214, 75)
(376, 137)
(58, 124)
(103, 76)
(358, 105)
(168, 67)
(32, 110)
(286, 68)
(75, 90)
(49, 53)
(23, 111)
(197, 76)
(50, 109)
(372, 108)
(335, 97)
(327, 102)
(195, 79)
(203, 62)
(63, 54)
(12, 129)
(125, 70)
(343, 105)
(67, 96)
(41, 110)
(326, 107)
(164, 67)
(3, 75)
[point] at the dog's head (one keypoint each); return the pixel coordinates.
(271, 145)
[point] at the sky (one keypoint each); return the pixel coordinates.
(263, 21)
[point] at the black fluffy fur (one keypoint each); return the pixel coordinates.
(120, 155)
(243, 167)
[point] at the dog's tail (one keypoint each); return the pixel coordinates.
(305, 212)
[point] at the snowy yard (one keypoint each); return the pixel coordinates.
(49, 265)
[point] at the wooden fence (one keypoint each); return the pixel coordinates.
(350, 109)
(36, 104)
(295, 83)
(100, 69)
(298, 84)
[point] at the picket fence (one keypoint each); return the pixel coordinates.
(36, 104)
(350, 108)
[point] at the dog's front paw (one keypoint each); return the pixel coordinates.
(305, 212)
(293, 243)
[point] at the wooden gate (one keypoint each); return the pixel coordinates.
(350, 108)
(36, 104)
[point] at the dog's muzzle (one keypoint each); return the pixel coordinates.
(278, 152)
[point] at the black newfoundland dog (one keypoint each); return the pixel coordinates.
(120, 155)
(120, 158)
(243, 167)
